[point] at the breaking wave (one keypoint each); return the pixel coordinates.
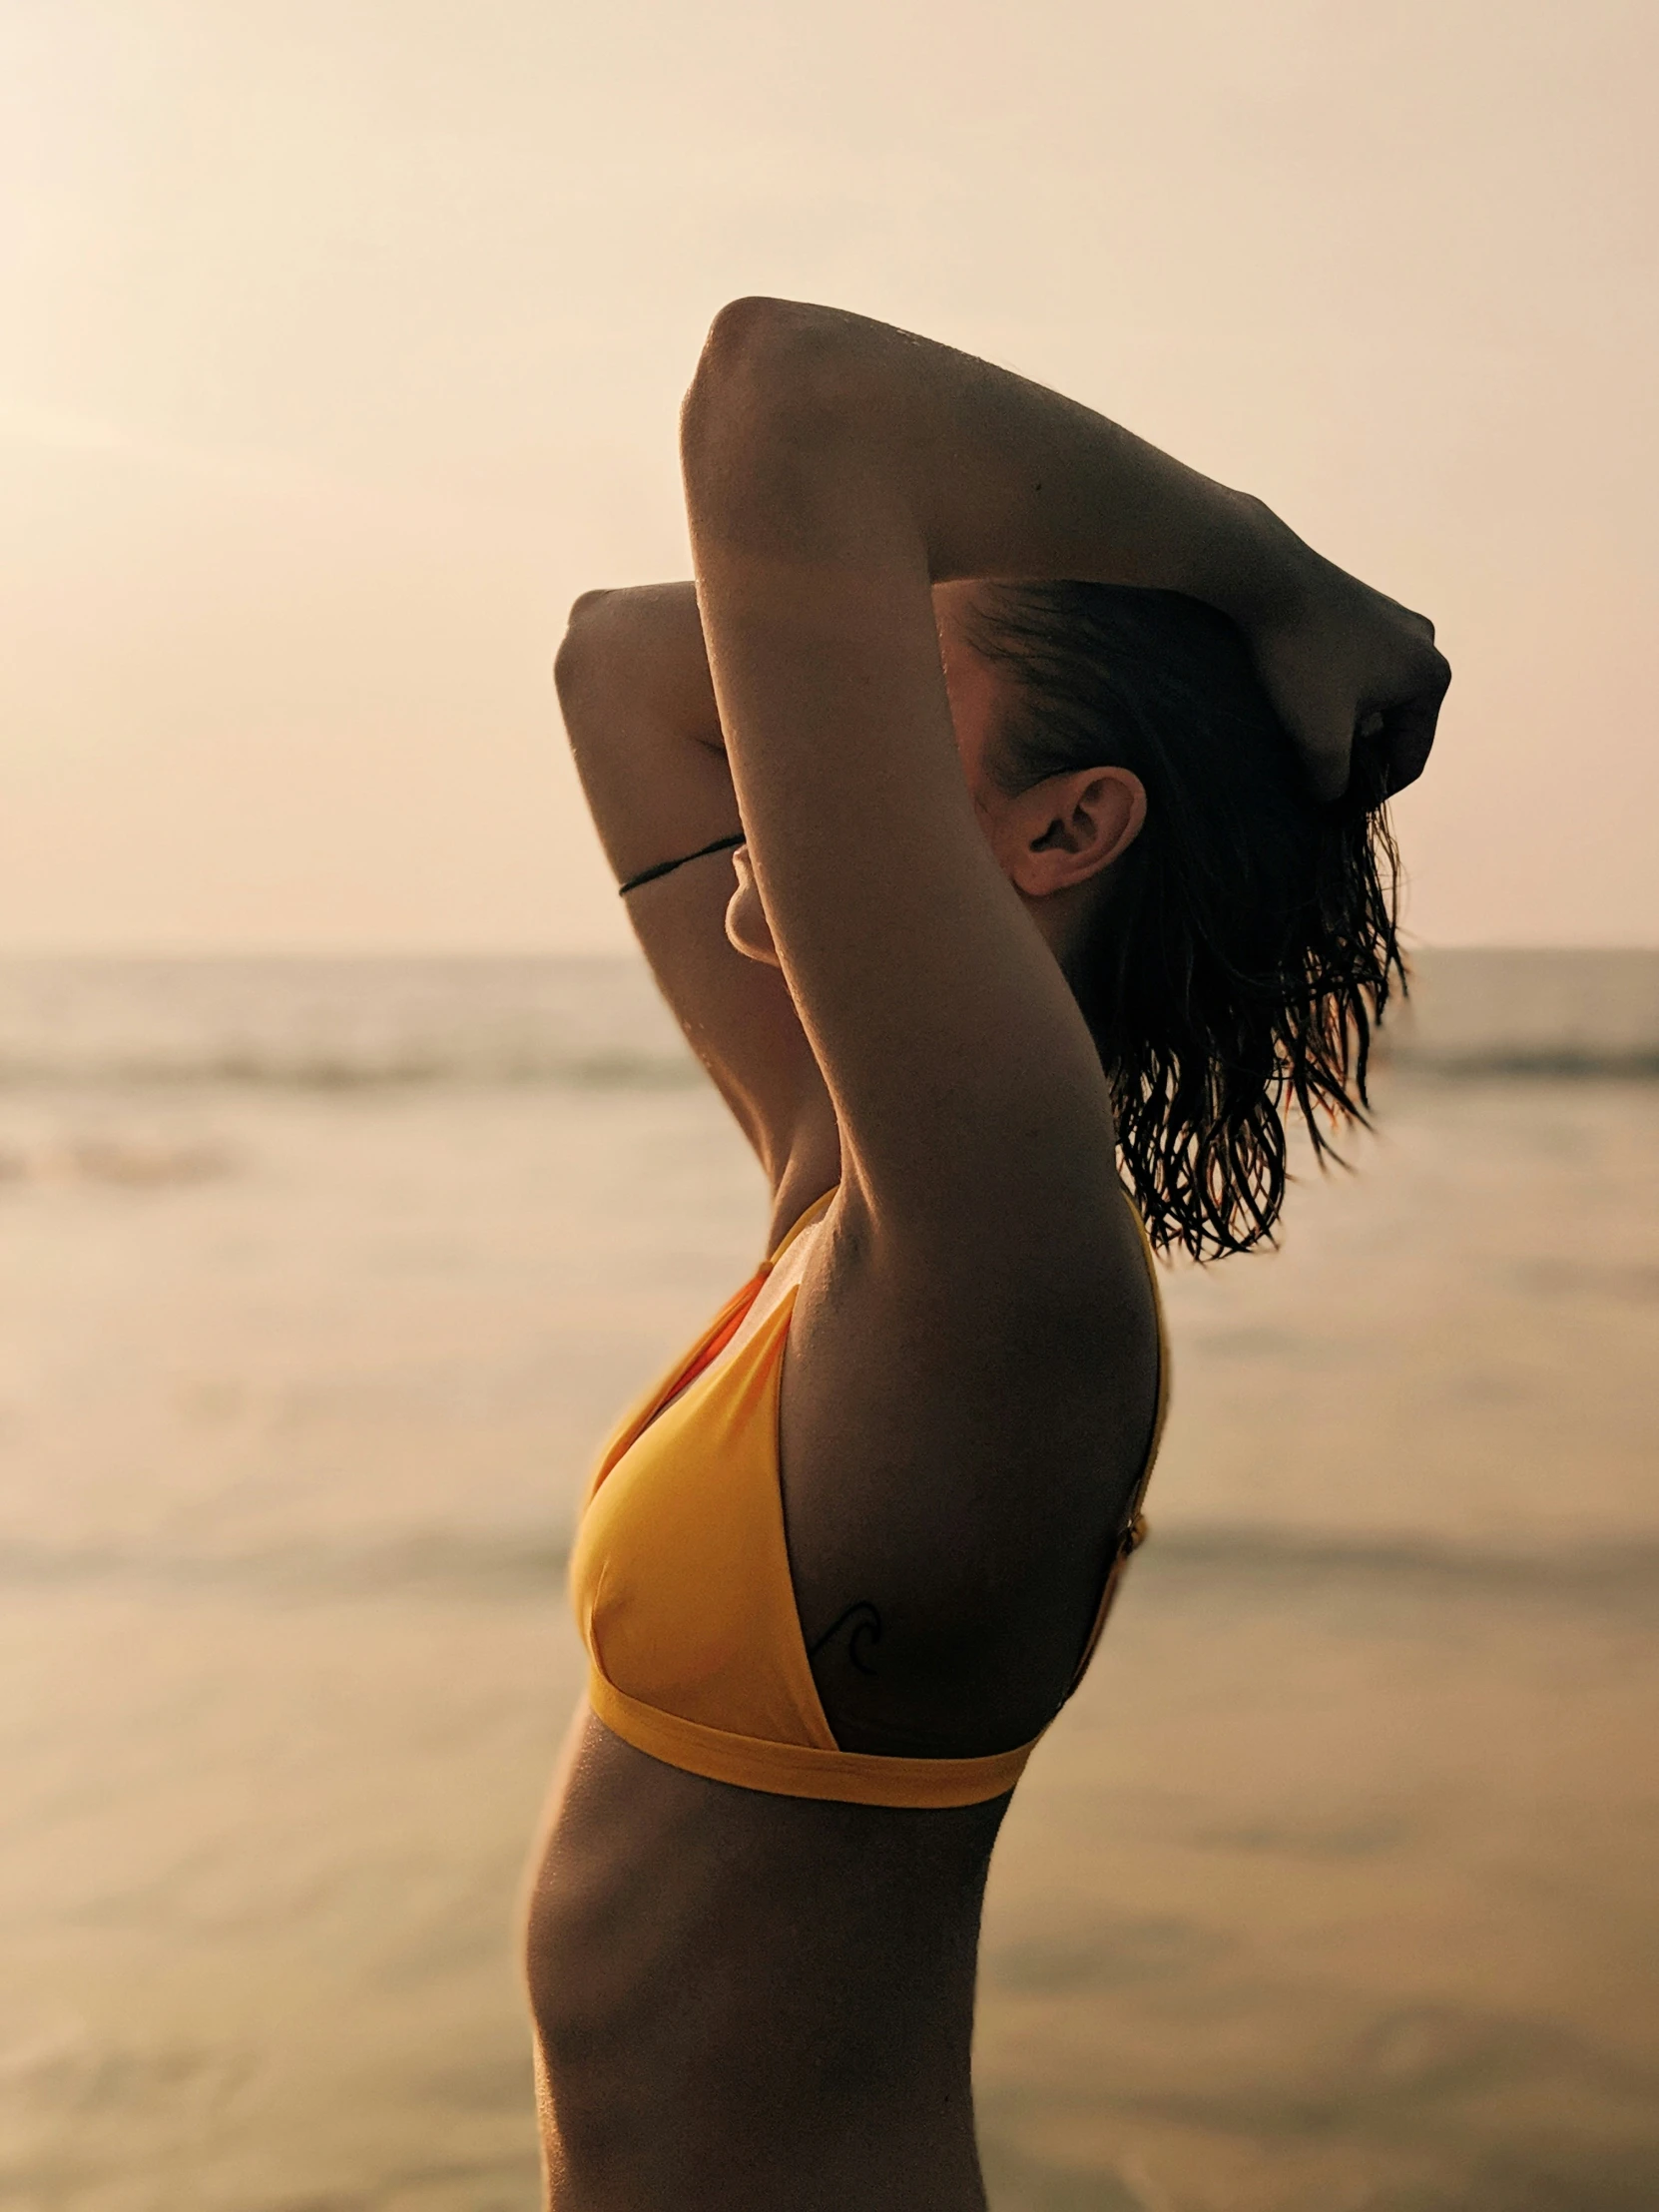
(597, 1024)
(340, 1026)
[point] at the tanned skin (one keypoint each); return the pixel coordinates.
(750, 2001)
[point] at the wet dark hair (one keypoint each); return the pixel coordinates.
(1246, 945)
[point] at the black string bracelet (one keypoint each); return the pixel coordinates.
(667, 867)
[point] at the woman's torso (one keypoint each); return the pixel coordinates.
(749, 1998)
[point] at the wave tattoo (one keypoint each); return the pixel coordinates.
(864, 1633)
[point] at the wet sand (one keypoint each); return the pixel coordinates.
(1337, 1892)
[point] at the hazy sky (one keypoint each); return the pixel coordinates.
(342, 344)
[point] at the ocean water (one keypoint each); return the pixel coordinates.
(320, 1282)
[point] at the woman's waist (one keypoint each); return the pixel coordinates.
(698, 1932)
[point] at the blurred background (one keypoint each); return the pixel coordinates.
(352, 1177)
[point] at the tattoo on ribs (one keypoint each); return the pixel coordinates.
(864, 1631)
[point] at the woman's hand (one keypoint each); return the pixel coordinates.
(1348, 671)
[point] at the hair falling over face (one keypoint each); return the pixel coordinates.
(1248, 945)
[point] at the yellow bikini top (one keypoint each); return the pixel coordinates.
(681, 1585)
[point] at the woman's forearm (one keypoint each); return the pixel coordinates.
(802, 423)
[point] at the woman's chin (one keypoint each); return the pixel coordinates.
(747, 929)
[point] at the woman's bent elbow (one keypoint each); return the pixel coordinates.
(580, 642)
(770, 369)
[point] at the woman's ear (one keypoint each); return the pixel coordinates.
(1068, 828)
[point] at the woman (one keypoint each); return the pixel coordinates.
(1032, 878)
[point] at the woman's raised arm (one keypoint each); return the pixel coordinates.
(990, 475)
(836, 469)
